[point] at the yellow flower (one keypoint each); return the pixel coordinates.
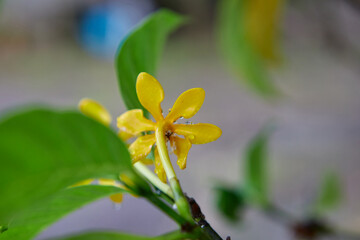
(96, 111)
(180, 136)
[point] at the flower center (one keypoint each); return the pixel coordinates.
(166, 127)
(168, 133)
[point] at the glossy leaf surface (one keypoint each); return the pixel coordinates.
(43, 151)
(44, 213)
(140, 52)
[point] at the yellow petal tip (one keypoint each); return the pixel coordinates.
(95, 110)
(187, 104)
(150, 94)
(117, 198)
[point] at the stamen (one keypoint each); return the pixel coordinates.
(168, 133)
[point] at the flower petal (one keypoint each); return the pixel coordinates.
(147, 161)
(133, 122)
(125, 135)
(82, 183)
(117, 198)
(187, 104)
(109, 182)
(150, 94)
(159, 169)
(181, 149)
(198, 133)
(141, 147)
(95, 110)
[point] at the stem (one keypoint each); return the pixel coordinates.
(168, 210)
(177, 235)
(163, 153)
(180, 200)
(165, 197)
(317, 228)
(274, 212)
(153, 179)
(199, 218)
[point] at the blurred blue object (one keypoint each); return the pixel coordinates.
(103, 25)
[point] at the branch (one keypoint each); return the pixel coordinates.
(308, 228)
(199, 218)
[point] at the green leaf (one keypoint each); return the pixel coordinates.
(256, 175)
(238, 49)
(43, 151)
(48, 211)
(105, 236)
(230, 202)
(140, 52)
(176, 235)
(3, 229)
(330, 194)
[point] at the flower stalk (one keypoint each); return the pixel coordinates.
(167, 209)
(179, 197)
(153, 179)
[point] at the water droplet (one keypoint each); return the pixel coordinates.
(181, 117)
(117, 206)
(169, 110)
(174, 206)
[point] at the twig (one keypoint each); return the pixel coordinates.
(308, 228)
(199, 218)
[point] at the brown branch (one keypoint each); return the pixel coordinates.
(308, 228)
(199, 218)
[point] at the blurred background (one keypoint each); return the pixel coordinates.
(55, 52)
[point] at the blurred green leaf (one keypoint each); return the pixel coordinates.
(140, 52)
(3, 229)
(330, 194)
(230, 202)
(246, 31)
(44, 213)
(105, 236)
(176, 235)
(43, 151)
(256, 174)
